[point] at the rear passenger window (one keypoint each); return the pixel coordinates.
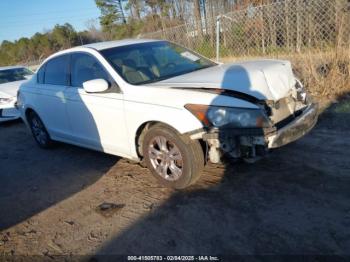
(41, 74)
(85, 67)
(56, 71)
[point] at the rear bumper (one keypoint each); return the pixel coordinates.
(295, 129)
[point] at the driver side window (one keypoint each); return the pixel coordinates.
(84, 67)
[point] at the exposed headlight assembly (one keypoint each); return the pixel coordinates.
(219, 116)
(301, 93)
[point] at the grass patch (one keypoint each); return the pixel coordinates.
(342, 107)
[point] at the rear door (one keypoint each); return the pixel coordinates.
(51, 103)
(97, 119)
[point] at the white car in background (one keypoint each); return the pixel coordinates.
(160, 103)
(11, 77)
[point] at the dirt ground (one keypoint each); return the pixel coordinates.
(294, 201)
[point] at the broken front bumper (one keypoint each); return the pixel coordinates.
(295, 129)
(249, 143)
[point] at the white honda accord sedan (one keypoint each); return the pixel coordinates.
(167, 106)
(11, 77)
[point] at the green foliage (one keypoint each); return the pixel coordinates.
(40, 45)
(111, 13)
(343, 107)
(131, 29)
(206, 48)
(63, 37)
(142, 16)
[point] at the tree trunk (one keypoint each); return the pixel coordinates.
(198, 17)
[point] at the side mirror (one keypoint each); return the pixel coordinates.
(95, 86)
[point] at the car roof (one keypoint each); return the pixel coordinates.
(100, 46)
(10, 67)
(110, 44)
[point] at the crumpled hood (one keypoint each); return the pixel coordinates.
(263, 79)
(10, 89)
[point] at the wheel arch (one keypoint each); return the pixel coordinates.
(27, 111)
(142, 130)
(192, 155)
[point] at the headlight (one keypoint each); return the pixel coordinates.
(4, 101)
(235, 117)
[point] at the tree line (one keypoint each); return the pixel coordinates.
(119, 19)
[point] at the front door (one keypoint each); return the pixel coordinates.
(97, 119)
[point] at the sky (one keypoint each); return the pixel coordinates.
(23, 18)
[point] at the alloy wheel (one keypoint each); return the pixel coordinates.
(166, 158)
(39, 130)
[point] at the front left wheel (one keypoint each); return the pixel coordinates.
(174, 160)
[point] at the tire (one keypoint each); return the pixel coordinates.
(176, 161)
(39, 131)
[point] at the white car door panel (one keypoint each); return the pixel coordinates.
(51, 107)
(97, 119)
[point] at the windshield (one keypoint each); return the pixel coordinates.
(15, 74)
(155, 61)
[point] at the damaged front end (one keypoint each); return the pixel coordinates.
(287, 120)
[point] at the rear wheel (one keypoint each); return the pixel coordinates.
(39, 131)
(174, 160)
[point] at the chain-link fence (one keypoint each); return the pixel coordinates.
(294, 29)
(284, 26)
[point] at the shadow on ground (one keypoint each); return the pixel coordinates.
(44, 180)
(295, 201)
